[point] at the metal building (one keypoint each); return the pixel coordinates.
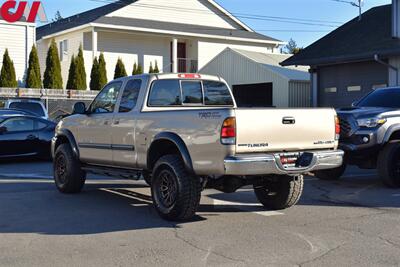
(258, 80)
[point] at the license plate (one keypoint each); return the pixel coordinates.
(296, 160)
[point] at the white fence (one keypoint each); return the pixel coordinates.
(57, 102)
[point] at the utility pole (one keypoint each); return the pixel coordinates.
(359, 5)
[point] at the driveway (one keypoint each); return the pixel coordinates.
(355, 221)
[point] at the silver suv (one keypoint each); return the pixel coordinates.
(183, 133)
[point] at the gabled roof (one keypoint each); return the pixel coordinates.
(354, 41)
(81, 18)
(179, 27)
(271, 62)
(98, 16)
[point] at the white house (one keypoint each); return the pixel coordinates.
(181, 35)
(18, 38)
(258, 80)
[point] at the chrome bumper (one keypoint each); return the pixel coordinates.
(256, 164)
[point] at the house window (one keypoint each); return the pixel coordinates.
(377, 86)
(354, 88)
(330, 90)
(63, 50)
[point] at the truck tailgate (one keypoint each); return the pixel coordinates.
(284, 130)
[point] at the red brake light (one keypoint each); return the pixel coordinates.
(189, 76)
(337, 127)
(228, 132)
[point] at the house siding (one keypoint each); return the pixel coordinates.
(75, 39)
(19, 45)
(201, 12)
(364, 74)
(238, 70)
(299, 94)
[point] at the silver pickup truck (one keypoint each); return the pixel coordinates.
(183, 133)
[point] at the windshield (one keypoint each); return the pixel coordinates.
(386, 98)
(35, 108)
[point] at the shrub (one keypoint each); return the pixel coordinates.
(33, 77)
(72, 79)
(102, 71)
(94, 76)
(156, 70)
(80, 71)
(134, 72)
(52, 76)
(120, 69)
(7, 74)
(151, 70)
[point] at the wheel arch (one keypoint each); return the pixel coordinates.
(393, 133)
(168, 143)
(64, 136)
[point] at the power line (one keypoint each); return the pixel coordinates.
(308, 22)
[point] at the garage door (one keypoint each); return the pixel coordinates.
(253, 95)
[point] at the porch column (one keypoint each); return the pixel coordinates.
(94, 43)
(174, 55)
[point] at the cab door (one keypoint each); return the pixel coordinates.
(94, 128)
(124, 124)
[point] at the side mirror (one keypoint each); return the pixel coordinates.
(79, 108)
(3, 130)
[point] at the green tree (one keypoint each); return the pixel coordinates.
(80, 71)
(139, 69)
(151, 70)
(156, 70)
(102, 71)
(292, 48)
(72, 79)
(52, 75)
(33, 77)
(7, 74)
(134, 72)
(120, 70)
(57, 16)
(94, 76)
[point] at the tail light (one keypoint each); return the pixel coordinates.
(228, 132)
(337, 128)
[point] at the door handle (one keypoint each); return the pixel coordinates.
(31, 137)
(288, 120)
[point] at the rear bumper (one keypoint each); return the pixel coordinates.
(264, 164)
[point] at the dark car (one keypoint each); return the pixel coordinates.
(370, 136)
(12, 111)
(25, 136)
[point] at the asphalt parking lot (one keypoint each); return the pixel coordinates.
(352, 222)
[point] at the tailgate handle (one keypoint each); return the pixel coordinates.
(288, 120)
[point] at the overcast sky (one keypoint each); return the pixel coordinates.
(328, 14)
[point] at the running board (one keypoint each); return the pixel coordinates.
(114, 172)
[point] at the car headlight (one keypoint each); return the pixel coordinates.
(371, 122)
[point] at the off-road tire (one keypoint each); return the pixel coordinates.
(331, 174)
(68, 175)
(389, 164)
(187, 189)
(282, 193)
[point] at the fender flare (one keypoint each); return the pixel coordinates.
(71, 139)
(390, 131)
(179, 143)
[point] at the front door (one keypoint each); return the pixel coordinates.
(94, 138)
(124, 126)
(182, 60)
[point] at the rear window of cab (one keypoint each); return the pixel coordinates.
(175, 92)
